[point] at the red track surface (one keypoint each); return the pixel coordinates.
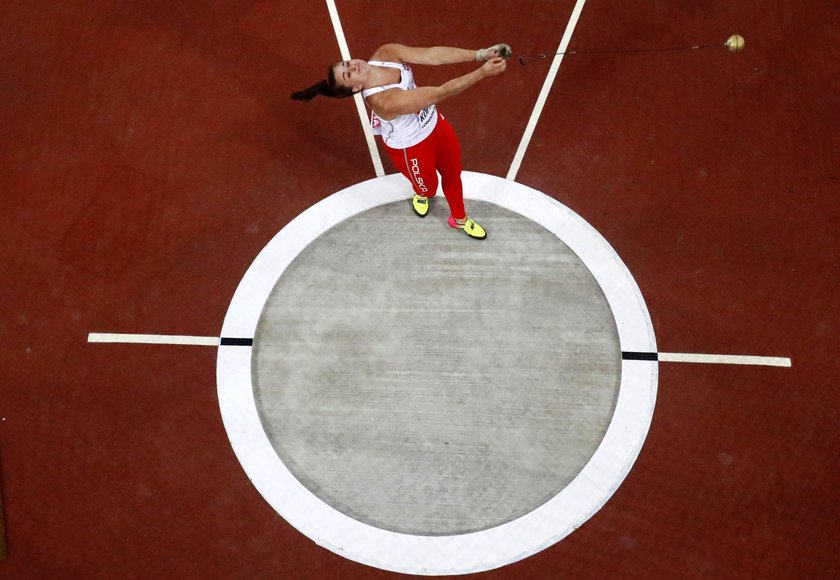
(149, 151)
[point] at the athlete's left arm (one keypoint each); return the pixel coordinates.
(434, 55)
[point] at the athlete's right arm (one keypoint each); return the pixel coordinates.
(388, 104)
(437, 55)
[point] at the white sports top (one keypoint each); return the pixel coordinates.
(403, 130)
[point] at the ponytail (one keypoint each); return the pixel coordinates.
(310, 93)
(327, 88)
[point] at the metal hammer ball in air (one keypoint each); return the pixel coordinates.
(735, 43)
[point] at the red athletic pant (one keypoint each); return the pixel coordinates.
(440, 152)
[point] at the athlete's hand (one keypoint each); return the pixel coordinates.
(494, 67)
(495, 51)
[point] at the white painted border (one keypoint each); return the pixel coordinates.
(439, 555)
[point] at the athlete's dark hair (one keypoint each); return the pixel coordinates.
(327, 88)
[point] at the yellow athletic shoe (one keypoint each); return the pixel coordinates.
(420, 205)
(470, 228)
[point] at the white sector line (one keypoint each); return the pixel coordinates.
(153, 339)
(546, 88)
(728, 359)
(360, 104)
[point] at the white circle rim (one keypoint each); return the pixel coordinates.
(454, 554)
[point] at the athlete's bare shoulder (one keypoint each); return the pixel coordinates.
(391, 52)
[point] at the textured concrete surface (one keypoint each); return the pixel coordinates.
(428, 383)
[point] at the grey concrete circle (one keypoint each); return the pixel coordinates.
(429, 384)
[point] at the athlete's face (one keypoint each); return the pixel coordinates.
(351, 73)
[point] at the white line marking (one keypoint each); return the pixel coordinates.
(546, 88)
(727, 359)
(153, 339)
(360, 103)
